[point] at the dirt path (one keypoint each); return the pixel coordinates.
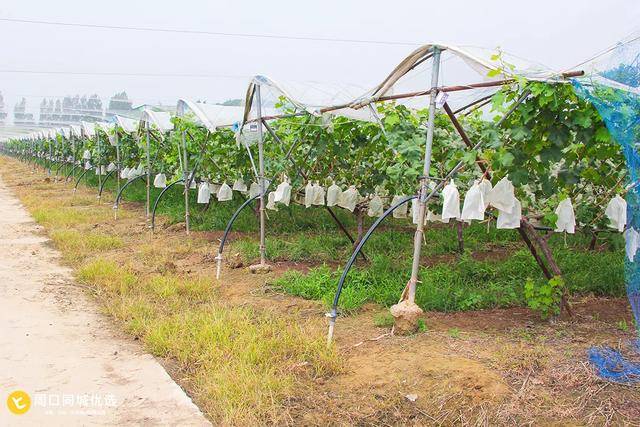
(55, 345)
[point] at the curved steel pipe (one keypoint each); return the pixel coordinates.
(227, 230)
(155, 204)
(333, 314)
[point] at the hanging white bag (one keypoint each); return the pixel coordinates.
(400, 212)
(308, 195)
(318, 195)
(502, 196)
(111, 167)
(271, 201)
(566, 218)
(213, 189)
(616, 211)
(87, 166)
(86, 155)
(283, 193)
(632, 241)
(450, 202)
(124, 173)
(193, 185)
(473, 206)
(225, 193)
(485, 188)
(376, 207)
(239, 185)
(349, 199)
(160, 181)
(254, 190)
(509, 221)
(333, 195)
(204, 195)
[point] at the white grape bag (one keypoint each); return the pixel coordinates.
(632, 241)
(349, 199)
(566, 218)
(511, 220)
(415, 211)
(616, 211)
(160, 181)
(87, 166)
(400, 212)
(254, 190)
(240, 186)
(485, 188)
(111, 167)
(473, 206)
(271, 201)
(193, 185)
(502, 196)
(204, 194)
(124, 173)
(225, 193)
(376, 207)
(450, 202)
(213, 189)
(86, 155)
(308, 195)
(283, 193)
(318, 195)
(333, 195)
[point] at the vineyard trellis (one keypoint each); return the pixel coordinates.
(537, 129)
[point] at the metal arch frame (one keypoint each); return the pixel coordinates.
(104, 181)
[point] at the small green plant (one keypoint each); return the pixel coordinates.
(383, 320)
(544, 298)
(622, 325)
(454, 333)
(422, 325)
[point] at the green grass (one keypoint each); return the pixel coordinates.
(459, 282)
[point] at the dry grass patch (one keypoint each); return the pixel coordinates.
(241, 363)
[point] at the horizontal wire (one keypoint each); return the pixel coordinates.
(208, 33)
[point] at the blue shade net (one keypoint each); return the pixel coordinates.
(612, 85)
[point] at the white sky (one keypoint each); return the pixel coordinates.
(556, 33)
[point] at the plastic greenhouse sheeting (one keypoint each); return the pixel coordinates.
(158, 120)
(209, 115)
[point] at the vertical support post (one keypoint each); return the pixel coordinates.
(263, 188)
(424, 182)
(118, 167)
(98, 166)
(73, 156)
(187, 181)
(148, 143)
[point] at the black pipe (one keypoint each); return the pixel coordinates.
(79, 178)
(104, 181)
(70, 172)
(155, 204)
(126, 184)
(334, 309)
(232, 220)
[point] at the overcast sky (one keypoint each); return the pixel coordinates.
(556, 33)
